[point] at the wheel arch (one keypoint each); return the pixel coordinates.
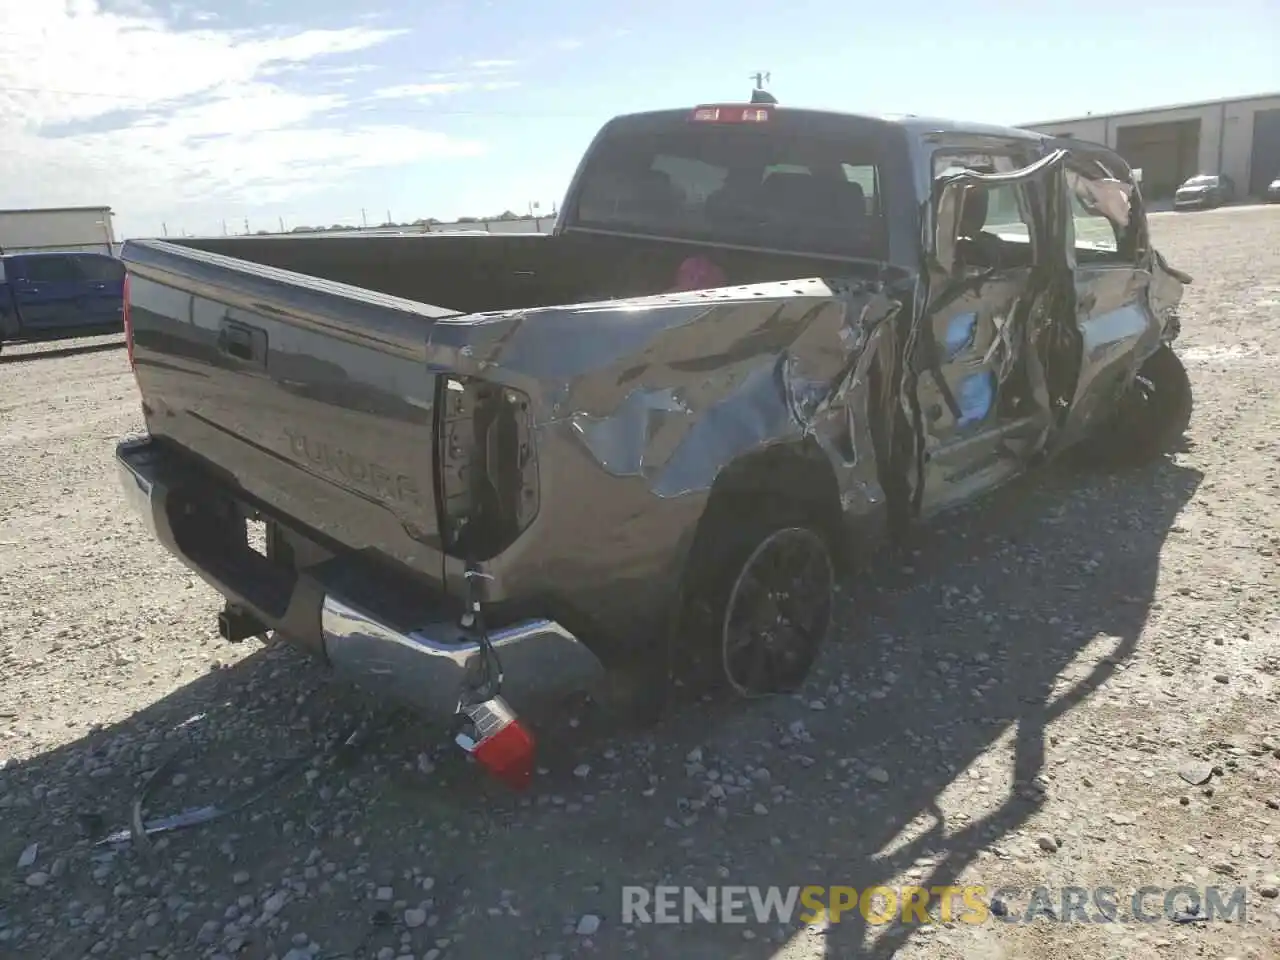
(794, 477)
(794, 480)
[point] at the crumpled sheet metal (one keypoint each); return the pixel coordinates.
(719, 381)
(658, 396)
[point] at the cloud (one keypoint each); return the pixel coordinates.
(121, 108)
(427, 91)
(349, 69)
(423, 90)
(493, 64)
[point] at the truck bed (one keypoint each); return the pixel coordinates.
(477, 274)
(363, 415)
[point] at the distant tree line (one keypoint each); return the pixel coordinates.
(424, 222)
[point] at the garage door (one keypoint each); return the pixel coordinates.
(1167, 153)
(1264, 161)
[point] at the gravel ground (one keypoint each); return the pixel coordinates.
(1013, 708)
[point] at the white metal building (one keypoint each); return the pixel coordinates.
(1239, 137)
(57, 229)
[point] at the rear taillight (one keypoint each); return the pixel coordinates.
(128, 322)
(486, 466)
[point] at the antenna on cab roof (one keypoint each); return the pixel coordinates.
(760, 94)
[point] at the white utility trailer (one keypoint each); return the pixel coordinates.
(57, 229)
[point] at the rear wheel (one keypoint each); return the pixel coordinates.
(763, 604)
(1150, 417)
(777, 614)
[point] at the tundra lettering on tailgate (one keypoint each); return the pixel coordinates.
(385, 484)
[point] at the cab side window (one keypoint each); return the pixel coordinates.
(995, 223)
(51, 270)
(100, 269)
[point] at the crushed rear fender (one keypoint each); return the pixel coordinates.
(673, 388)
(656, 396)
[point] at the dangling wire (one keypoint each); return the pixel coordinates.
(491, 675)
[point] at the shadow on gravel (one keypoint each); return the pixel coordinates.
(1052, 582)
(939, 661)
(56, 352)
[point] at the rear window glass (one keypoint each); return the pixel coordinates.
(807, 194)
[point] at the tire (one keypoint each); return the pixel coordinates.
(764, 601)
(1151, 417)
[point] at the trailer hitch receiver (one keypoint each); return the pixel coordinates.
(236, 625)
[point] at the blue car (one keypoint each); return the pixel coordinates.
(56, 296)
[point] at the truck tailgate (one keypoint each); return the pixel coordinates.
(314, 398)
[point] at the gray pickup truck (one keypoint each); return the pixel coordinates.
(760, 342)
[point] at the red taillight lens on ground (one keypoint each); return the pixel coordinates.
(502, 745)
(128, 322)
(508, 755)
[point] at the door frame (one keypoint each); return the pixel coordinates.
(1002, 449)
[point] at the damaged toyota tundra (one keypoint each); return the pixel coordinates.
(761, 342)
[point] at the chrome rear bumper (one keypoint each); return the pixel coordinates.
(425, 667)
(428, 667)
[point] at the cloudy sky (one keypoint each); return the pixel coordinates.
(190, 113)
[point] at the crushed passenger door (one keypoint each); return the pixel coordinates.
(1115, 271)
(982, 406)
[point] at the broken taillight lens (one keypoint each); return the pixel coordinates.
(486, 467)
(501, 743)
